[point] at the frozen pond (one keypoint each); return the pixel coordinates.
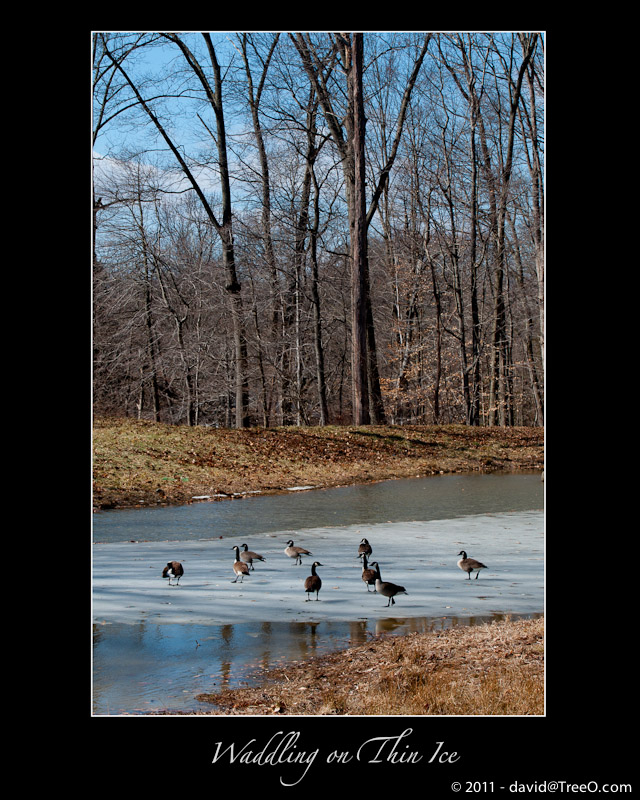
(157, 646)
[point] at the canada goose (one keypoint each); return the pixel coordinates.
(296, 552)
(386, 588)
(175, 570)
(368, 574)
(248, 556)
(364, 549)
(313, 582)
(239, 567)
(468, 565)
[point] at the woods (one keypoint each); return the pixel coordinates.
(319, 228)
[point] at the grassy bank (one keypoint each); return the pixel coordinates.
(137, 462)
(491, 669)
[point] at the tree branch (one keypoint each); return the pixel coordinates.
(384, 175)
(168, 140)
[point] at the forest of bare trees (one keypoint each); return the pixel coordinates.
(319, 228)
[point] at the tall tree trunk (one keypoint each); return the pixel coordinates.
(317, 318)
(265, 401)
(254, 94)
(344, 143)
(470, 93)
(474, 411)
(438, 367)
(313, 225)
(499, 350)
(537, 198)
(528, 328)
(359, 306)
(148, 317)
(226, 234)
(151, 349)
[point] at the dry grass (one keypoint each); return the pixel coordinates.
(137, 462)
(491, 669)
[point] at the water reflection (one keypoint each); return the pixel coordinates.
(149, 667)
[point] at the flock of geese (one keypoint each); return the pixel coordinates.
(243, 565)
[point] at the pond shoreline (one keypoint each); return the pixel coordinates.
(138, 463)
(413, 674)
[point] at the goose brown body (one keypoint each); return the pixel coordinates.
(248, 556)
(313, 582)
(239, 567)
(470, 565)
(296, 552)
(174, 569)
(368, 574)
(365, 548)
(386, 588)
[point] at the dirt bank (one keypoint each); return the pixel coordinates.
(140, 463)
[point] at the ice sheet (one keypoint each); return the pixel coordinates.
(421, 556)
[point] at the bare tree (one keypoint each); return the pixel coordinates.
(498, 380)
(367, 180)
(529, 115)
(223, 226)
(359, 267)
(349, 140)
